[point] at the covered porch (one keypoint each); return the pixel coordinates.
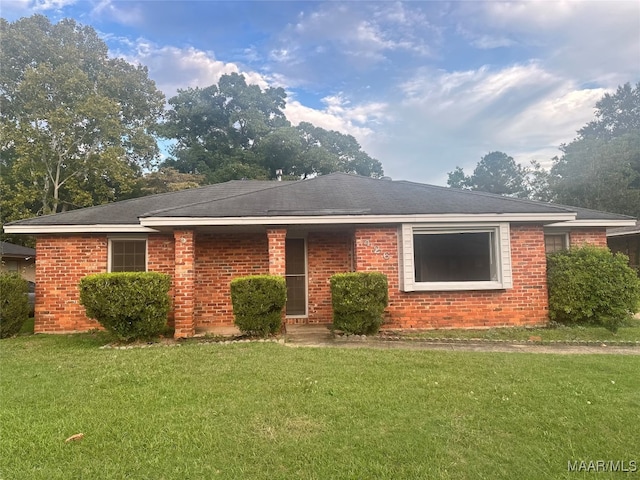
(207, 259)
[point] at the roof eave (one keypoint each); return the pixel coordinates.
(157, 222)
(94, 228)
(620, 234)
(595, 223)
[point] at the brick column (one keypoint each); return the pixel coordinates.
(276, 238)
(277, 259)
(184, 282)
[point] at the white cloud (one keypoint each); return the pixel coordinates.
(126, 14)
(19, 8)
(173, 68)
(338, 114)
(446, 119)
(592, 42)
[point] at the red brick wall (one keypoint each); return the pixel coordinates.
(327, 253)
(592, 236)
(161, 259)
(201, 291)
(184, 283)
(524, 304)
(62, 262)
(220, 259)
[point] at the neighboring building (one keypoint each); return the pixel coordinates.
(452, 258)
(627, 241)
(19, 259)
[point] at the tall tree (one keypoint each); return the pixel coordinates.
(616, 114)
(496, 173)
(600, 174)
(600, 169)
(218, 128)
(75, 123)
(234, 130)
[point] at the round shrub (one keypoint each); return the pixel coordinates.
(591, 285)
(131, 305)
(14, 304)
(359, 300)
(257, 303)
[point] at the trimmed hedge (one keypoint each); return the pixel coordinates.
(591, 285)
(14, 304)
(257, 303)
(131, 305)
(359, 300)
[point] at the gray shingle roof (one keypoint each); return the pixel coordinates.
(334, 194)
(16, 251)
(343, 194)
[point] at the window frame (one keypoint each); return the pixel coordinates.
(565, 240)
(127, 239)
(306, 276)
(501, 250)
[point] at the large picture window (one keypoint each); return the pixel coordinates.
(454, 257)
(465, 258)
(127, 255)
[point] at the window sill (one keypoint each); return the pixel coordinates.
(453, 286)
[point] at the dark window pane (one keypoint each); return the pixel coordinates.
(296, 296)
(554, 243)
(294, 256)
(296, 276)
(128, 255)
(454, 257)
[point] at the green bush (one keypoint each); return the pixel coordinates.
(359, 300)
(591, 285)
(258, 302)
(14, 304)
(131, 305)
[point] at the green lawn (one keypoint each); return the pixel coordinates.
(629, 332)
(263, 410)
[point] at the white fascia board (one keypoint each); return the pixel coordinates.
(619, 234)
(600, 223)
(97, 228)
(354, 219)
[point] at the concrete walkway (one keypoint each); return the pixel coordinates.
(321, 336)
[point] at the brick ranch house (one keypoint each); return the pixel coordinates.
(452, 258)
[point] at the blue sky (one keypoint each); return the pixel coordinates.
(423, 86)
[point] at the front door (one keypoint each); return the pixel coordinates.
(296, 275)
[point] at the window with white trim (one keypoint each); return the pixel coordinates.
(456, 258)
(127, 255)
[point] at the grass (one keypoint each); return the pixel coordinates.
(262, 410)
(629, 332)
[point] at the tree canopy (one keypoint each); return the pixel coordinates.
(234, 130)
(75, 124)
(496, 173)
(600, 169)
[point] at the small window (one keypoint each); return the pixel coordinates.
(555, 243)
(128, 255)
